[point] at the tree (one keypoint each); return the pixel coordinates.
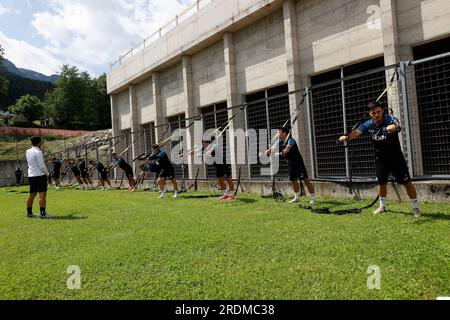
(28, 108)
(79, 102)
(3, 81)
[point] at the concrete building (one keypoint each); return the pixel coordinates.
(235, 51)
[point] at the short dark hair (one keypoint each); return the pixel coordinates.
(114, 153)
(91, 162)
(35, 140)
(155, 146)
(213, 138)
(284, 129)
(374, 104)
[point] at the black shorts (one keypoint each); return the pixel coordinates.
(396, 165)
(56, 174)
(104, 175)
(222, 171)
(38, 184)
(84, 174)
(297, 170)
(167, 173)
(129, 173)
(76, 171)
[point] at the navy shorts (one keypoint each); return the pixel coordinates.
(167, 173)
(222, 171)
(297, 171)
(396, 165)
(38, 184)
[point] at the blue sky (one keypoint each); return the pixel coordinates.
(42, 35)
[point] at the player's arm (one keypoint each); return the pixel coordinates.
(355, 134)
(394, 126)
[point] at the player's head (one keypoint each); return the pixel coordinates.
(91, 162)
(283, 132)
(36, 141)
(114, 155)
(206, 142)
(376, 111)
(53, 159)
(142, 166)
(155, 147)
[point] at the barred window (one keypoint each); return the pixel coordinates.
(215, 116)
(176, 122)
(341, 96)
(433, 99)
(267, 110)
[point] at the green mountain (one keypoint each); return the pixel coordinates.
(19, 86)
(29, 74)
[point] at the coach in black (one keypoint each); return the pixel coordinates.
(383, 130)
(37, 177)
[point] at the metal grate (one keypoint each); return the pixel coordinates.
(264, 112)
(344, 100)
(433, 96)
(176, 122)
(213, 117)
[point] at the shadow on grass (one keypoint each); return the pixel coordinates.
(246, 200)
(72, 216)
(427, 216)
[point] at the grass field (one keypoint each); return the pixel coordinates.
(135, 246)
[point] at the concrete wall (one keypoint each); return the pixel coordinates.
(172, 97)
(123, 110)
(208, 76)
(261, 55)
(333, 33)
(145, 102)
(7, 169)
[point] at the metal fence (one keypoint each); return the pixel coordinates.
(420, 92)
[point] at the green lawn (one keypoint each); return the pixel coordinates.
(135, 246)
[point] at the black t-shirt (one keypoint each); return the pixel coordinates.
(162, 158)
(100, 167)
(57, 165)
(124, 165)
(385, 144)
(293, 156)
(82, 166)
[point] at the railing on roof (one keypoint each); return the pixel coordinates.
(196, 6)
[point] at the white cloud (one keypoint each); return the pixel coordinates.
(90, 34)
(24, 55)
(3, 10)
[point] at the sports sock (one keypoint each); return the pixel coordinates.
(382, 202)
(415, 203)
(312, 197)
(42, 211)
(297, 195)
(30, 211)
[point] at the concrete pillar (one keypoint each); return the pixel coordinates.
(159, 117)
(233, 97)
(191, 111)
(135, 137)
(300, 130)
(115, 127)
(391, 47)
(392, 55)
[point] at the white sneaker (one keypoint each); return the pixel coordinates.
(176, 195)
(102, 189)
(294, 200)
(417, 213)
(163, 196)
(312, 202)
(380, 210)
(58, 188)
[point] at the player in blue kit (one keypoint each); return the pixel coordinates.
(383, 130)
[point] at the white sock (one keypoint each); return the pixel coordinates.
(312, 197)
(175, 192)
(297, 195)
(225, 193)
(415, 203)
(382, 202)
